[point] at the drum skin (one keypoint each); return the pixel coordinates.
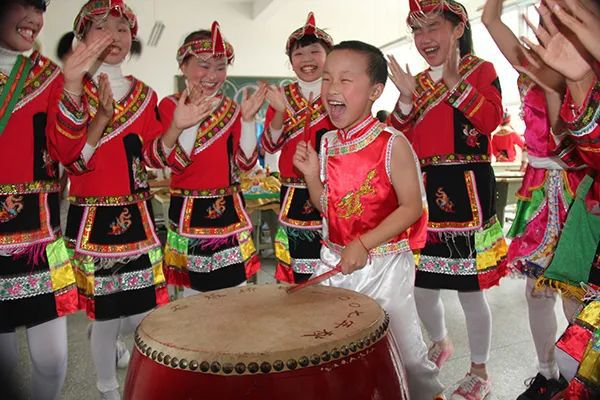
(359, 363)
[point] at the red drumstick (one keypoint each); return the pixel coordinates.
(307, 119)
(316, 279)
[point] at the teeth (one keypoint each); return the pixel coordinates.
(209, 85)
(26, 32)
(309, 69)
(430, 49)
(335, 103)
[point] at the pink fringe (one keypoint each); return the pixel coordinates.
(215, 243)
(35, 253)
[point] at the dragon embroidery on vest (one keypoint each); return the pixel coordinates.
(350, 205)
(10, 208)
(217, 209)
(443, 200)
(121, 224)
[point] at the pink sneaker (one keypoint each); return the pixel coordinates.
(472, 387)
(440, 352)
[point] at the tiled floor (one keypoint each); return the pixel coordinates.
(512, 356)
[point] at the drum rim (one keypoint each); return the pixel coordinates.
(266, 365)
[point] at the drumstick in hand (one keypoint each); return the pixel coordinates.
(317, 279)
(308, 118)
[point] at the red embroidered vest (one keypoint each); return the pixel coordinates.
(358, 192)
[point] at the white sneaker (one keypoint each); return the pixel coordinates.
(472, 387)
(123, 355)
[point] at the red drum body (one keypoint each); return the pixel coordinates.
(258, 342)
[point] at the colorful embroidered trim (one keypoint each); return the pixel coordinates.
(587, 119)
(379, 251)
(293, 182)
(286, 220)
(43, 72)
(111, 200)
(430, 93)
(221, 259)
(180, 159)
(185, 228)
(158, 154)
(295, 120)
(216, 125)
(449, 266)
(128, 109)
(106, 285)
(454, 159)
(10, 242)
(30, 187)
(305, 265)
(206, 193)
(12, 89)
(177, 254)
(85, 247)
(58, 278)
(338, 147)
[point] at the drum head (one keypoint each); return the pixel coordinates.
(261, 328)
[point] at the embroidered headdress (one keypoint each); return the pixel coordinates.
(420, 8)
(309, 29)
(102, 9)
(216, 46)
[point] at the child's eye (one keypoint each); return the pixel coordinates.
(346, 80)
(326, 79)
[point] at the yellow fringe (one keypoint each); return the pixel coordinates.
(565, 289)
(174, 258)
(492, 256)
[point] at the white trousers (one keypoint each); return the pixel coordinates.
(48, 353)
(389, 280)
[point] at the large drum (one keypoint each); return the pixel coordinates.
(259, 342)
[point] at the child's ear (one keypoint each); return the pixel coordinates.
(376, 91)
(459, 31)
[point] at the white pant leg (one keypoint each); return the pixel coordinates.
(479, 324)
(542, 322)
(431, 312)
(9, 358)
(390, 282)
(129, 324)
(48, 352)
(104, 352)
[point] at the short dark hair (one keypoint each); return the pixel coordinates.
(39, 4)
(307, 41)
(377, 66)
(65, 45)
(465, 43)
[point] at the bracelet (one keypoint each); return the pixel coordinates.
(363, 245)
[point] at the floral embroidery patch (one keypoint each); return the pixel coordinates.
(121, 224)
(140, 176)
(472, 136)
(350, 204)
(443, 200)
(217, 209)
(10, 207)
